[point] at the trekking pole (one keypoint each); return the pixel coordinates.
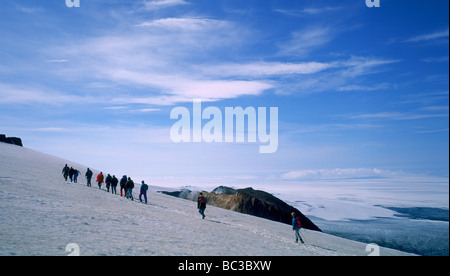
(302, 236)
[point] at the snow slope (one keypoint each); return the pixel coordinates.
(41, 215)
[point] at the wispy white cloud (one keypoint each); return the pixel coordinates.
(432, 131)
(157, 63)
(397, 116)
(52, 129)
(115, 107)
(341, 75)
(169, 60)
(321, 10)
(306, 40)
(359, 66)
(145, 110)
(176, 59)
(131, 109)
(436, 59)
(29, 9)
(358, 87)
(159, 4)
(21, 94)
(349, 174)
(436, 108)
(305, 77)
(328, 128)
(154, 62)
(338, 173)
(427, 98)
(309, 11)
(183, 89)
(262, 69)
(57, 60)
(185, 24)
(430, 36)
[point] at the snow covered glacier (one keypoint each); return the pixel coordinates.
(43, 215)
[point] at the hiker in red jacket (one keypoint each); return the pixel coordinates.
(296, 226)
(100, 179)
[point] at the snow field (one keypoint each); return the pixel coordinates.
(41, 215)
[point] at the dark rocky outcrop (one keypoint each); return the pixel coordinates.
(249, 201)
(11, 140)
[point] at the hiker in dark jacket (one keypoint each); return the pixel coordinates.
(123, 186)
(130, 186)
(88, 175)
(71, 172)
(108, 182)
(65, 172)
(201, 204)
(143, 192)
(114, 182)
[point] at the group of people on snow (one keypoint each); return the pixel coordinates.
(126, 186)
(70, 173)
(111, 182)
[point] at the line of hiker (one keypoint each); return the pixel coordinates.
(111, 182)
(126, 186)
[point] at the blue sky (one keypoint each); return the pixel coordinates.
(362, 92)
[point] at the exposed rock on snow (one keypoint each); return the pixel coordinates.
(250, 201)
(11, 140)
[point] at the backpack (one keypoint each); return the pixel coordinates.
(202, 199)
(201, 202)
(299, 224)
(145, 187)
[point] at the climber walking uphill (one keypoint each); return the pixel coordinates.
(130, 186)
(75, 175)
(108, 181)
(201, 204)
(114, 183)
(65, 172)
(100, 179)
(143, 192)
(88, 175)
(71, 171)
(123, 186)
(296, 226)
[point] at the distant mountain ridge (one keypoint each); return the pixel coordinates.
(249, 201)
